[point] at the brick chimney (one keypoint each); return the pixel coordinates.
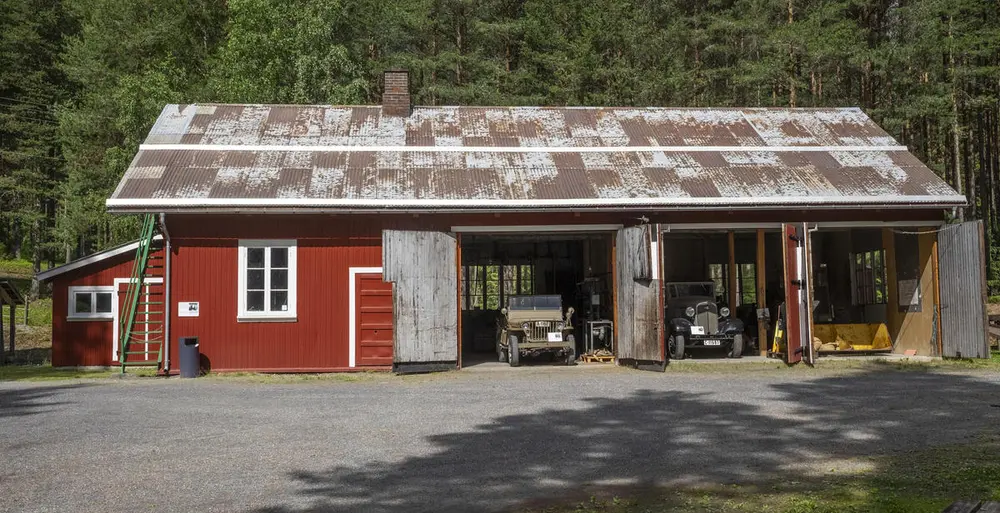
(396, 93)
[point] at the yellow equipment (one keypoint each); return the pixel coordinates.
(852, 337)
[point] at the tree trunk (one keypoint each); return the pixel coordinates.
(956, 141)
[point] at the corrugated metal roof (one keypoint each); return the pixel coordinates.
(247, 156)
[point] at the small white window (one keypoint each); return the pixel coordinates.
(91, 302)
(267, 279)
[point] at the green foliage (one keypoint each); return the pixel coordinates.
(81, 81)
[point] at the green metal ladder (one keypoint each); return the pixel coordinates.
(141, 327)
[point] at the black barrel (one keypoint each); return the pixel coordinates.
(190, 357)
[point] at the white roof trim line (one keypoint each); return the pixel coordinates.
(506, 149)
(482, 204)
(91, 259)
(537, 228)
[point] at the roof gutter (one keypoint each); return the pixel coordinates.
(303, 205)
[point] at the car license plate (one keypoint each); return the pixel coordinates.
(697, 330)
(713, 342)
(555, 336)
(541, 324)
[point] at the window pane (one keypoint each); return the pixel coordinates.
(83, 302)
(279, 257)
(279, 301)
(255, 279)
(279, 279)
(103, 302)
(255, 301)
(255, 258)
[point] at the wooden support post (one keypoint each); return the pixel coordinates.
(732, 273)
(761, 293)
(893, 316)
(458, 269)
(3, 357)
(13, 324)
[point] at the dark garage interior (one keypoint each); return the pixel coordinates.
(574, 266)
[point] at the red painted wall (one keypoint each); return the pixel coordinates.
(85, 343)
(205, 269)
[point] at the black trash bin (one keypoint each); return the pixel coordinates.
(190, 357)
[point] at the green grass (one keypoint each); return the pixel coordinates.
(39, 313)
(16, 269)
(836, 365)
(48, 373)
(923, 481)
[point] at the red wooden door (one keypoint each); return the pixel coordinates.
(373, 340)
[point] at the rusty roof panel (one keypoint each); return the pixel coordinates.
(522, 154)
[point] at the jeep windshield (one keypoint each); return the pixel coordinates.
(706, 289)
(534, 303)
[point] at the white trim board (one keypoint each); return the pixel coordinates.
(537, 228)
(317, 148)
(91, 259)
(352, 323)
(487, 205)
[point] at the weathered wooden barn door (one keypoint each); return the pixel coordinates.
(421, 265)
(640, 342)
(792, 252)
(962, 271)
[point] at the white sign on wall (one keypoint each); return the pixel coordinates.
(187, 309)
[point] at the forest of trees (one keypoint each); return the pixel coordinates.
(82, 81)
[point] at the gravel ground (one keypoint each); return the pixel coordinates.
(459, 442)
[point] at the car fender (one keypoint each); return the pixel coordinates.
(731, 327)
(682, 326)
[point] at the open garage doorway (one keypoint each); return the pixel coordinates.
(721, 291)
(571, 269)
(874, 290)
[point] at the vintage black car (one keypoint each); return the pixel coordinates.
(697, 321)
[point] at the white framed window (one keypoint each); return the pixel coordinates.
(267, 281)
(91, 302)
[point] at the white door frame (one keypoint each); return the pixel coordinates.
(352, 323)
(114, 312)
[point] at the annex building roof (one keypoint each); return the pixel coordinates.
(357, 158)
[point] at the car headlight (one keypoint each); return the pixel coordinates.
(560, 325)
(689, 311)
(724, 312)
(525, 326)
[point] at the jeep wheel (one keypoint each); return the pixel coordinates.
(571, 354)
(513, 353)
(737, 349)
(677, 347)
(502, 354)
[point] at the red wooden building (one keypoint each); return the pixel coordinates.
(324, 238)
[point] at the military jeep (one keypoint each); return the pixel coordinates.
(698, 321)
(535, 325)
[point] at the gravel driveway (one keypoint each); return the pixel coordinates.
(459, 442)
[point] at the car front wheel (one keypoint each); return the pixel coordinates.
(571, 352)
(677, 347)
(512, 351)
(737, 350)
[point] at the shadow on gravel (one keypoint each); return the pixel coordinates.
(653, 439)
(29, 401)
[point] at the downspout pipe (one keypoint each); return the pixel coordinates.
(166, 293)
